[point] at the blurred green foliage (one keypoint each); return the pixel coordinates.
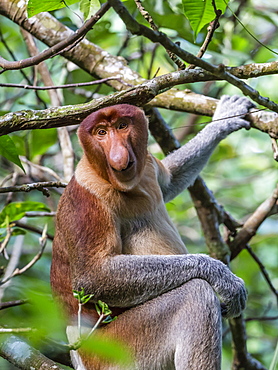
(241, 172)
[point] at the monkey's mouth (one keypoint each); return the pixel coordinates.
(130, 164)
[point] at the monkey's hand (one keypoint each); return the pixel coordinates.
(230, 289)
(186, 163)
(230, 113)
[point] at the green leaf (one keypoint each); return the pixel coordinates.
(89, 7)
(9, 151)
(41, 140)
(15, 211)
(102, 308)
(109, 319)
(81, 296)
(37, 6)
(18, 231)
(201, 12)
(43, 306)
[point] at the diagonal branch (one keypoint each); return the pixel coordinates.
(251, 226)
(263, 270)
(59, 47)
(137, 29)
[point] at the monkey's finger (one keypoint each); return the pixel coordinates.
(243, 123)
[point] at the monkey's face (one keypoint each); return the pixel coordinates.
(114, 140)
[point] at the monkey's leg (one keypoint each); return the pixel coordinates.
(180, 330)
(197, 329)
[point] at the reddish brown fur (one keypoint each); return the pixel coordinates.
(79, 234)
(81, 238)
(94, 212)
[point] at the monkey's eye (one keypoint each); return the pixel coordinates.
(101, 132)
(122, 126)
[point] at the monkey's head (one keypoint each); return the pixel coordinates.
(114, 140)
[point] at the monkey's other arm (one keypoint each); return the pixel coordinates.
(186, 163)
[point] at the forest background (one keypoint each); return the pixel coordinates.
(200, 53)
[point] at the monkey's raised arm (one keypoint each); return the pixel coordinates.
(186, 163)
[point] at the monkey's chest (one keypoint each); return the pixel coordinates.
(153, 233)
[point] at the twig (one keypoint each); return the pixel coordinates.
(40, 214)
(9, 304)
(261, 318)
(263, 270)
(40, 168)
(25, 76)
(5, 242)
(58, 48)
(55, 99)
(15, 330)
(67, 86)
(149, 19)
(34, 229)
(211, 28)
(18, 271)
(35, 186)
(13, 262)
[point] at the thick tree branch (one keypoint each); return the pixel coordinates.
(23, 356)
(252, 224)
(242, 359)
(138, 95)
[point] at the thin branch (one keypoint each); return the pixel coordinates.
(34, 229)
(211, 29)
(67, 86)
(35, 186)
(18, 271)
(15, 330)
(9, 304)
(13, 262)
(274, 148)
(263, 270)
(58, 48)
(40, 214)
(261, 318)
(40, 169)
(149, 19)
(5, 242)
(56, 100)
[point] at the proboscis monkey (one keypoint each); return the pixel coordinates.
(115, 239)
